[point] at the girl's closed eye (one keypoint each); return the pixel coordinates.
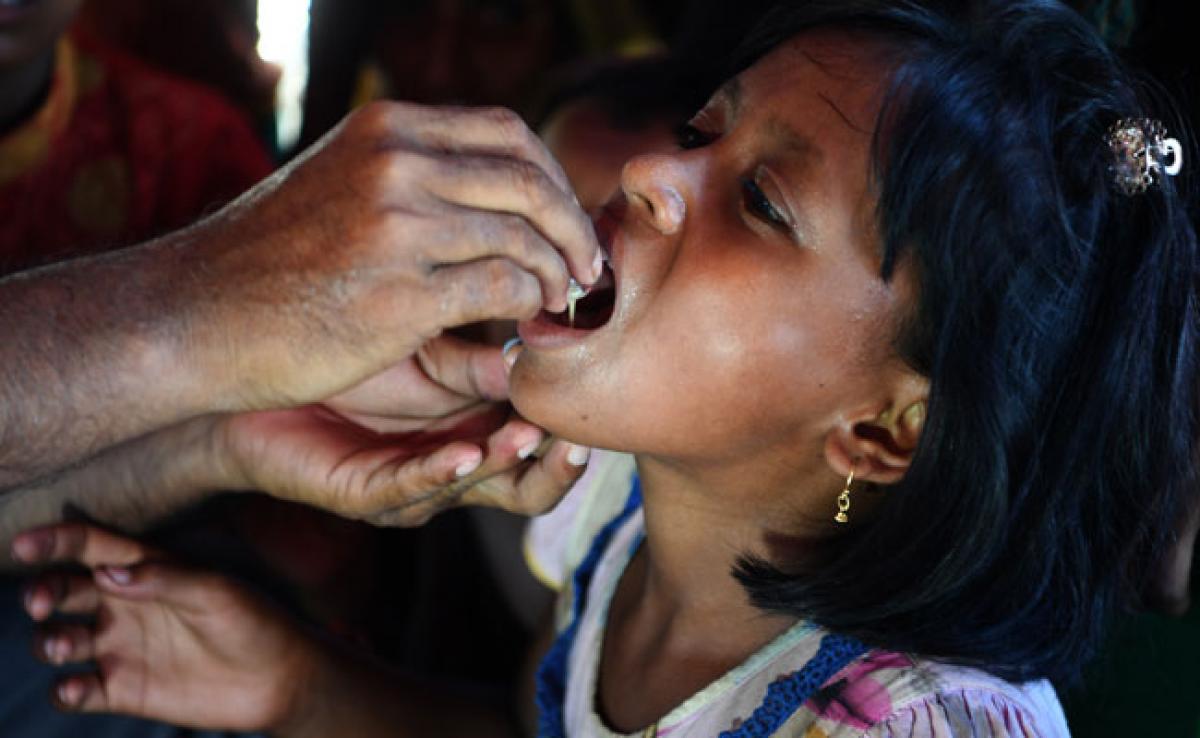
(758, 204)
(756, 201)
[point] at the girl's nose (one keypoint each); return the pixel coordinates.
(652, 184)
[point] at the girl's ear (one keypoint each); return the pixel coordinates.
(879, 444)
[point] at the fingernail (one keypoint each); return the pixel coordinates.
(527, 450)
(510, 352)
(59, 650)
(27, 600)
(118, 575)
(597, 266)
(69, 693)
(25, 549)
(467, 467)
(578, 455)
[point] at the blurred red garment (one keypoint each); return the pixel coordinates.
(118, 153)
(212, 42)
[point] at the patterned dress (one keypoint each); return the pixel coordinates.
(872, 693)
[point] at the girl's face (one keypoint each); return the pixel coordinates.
(748, 316)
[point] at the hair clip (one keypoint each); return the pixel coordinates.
(1141, 154)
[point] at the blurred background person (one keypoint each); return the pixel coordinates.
(465, 52)
(213, 42)
(98, 150)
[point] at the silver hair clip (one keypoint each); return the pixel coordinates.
(1141, 154)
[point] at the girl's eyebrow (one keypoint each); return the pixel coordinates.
(792, 141)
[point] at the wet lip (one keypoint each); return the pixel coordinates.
(594, 312)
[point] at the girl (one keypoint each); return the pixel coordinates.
(900, 342)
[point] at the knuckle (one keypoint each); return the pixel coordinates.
(370, 176)
(507, 283)
(383, 171)
(515, 233)
(373, 120)
(507, 124)
(531, 183)
(494, 288)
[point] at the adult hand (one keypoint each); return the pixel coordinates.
(403, 222)
(428, 434)
(171, 644)
(419, 438)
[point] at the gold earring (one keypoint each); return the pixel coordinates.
(843, 500)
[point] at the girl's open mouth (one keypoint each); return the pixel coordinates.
(591, 311)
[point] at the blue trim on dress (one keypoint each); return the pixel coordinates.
(786, 695)
(783, 697)
(552, 672)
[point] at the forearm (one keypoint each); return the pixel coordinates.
(128, 486)
(348, 694)
(95, 352)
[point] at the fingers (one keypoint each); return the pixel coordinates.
(488, 131)
(522, 188)
(62, 593)
(464, 367)
(538, 486)
(427, 485)
(418, 487)
(64, 643)
(172, 585)
(491, 289)
(82, 693)
(77, 543)
(466, 235)
(487, 160)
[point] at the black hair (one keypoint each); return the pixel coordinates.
(1056, 321)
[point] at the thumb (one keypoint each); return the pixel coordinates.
(471, 369)
(153, 581)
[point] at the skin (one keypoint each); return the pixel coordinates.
(592, 151)
(428, 435)
(749, 365)
(242, 663)
(404, 222)
(792, 325)
(788, 340)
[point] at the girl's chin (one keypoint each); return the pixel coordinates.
(554, 406)
(536, 399)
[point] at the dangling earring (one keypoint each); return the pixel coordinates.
(843, 500)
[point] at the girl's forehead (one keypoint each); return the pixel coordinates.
(826, 65)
